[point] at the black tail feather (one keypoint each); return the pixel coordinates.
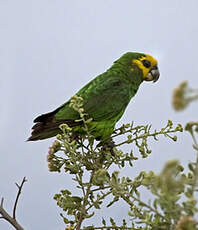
(47, 116)
(49, 127)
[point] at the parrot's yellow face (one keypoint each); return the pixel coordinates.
(148, 65)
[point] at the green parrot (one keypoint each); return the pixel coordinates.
(105, 98)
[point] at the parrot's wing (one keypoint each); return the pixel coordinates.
(108, 101)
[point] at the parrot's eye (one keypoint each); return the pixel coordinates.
(146, 63)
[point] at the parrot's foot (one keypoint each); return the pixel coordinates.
(75, 136)
(107, 145)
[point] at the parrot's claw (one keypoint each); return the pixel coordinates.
(107, 145)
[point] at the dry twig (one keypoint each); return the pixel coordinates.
(5, 215)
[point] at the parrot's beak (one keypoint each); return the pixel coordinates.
(153, 74)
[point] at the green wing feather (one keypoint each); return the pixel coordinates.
(101, 103)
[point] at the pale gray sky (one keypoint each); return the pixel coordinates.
(51, 48)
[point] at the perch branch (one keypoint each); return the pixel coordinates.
(5, 215)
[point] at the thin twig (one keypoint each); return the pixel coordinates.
(5, 215)
(8, 218)
(98, 199)
(146, 135)
(85, 201)
(2, 199)
(127, 199)
(17, 197)
(99, 189)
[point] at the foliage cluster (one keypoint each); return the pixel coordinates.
(171, 196)
(172, 203)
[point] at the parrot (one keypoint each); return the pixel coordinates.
(105, 99)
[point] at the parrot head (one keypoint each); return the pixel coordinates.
(144, 63)
(148, 65)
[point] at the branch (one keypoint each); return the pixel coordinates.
(4, 213)
(126, 198)
(83, 210)
(156, 133)
(17, 197)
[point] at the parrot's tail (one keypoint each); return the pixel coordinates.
(43, 130)
(47, 126)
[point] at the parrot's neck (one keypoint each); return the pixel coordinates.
(131, 76)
